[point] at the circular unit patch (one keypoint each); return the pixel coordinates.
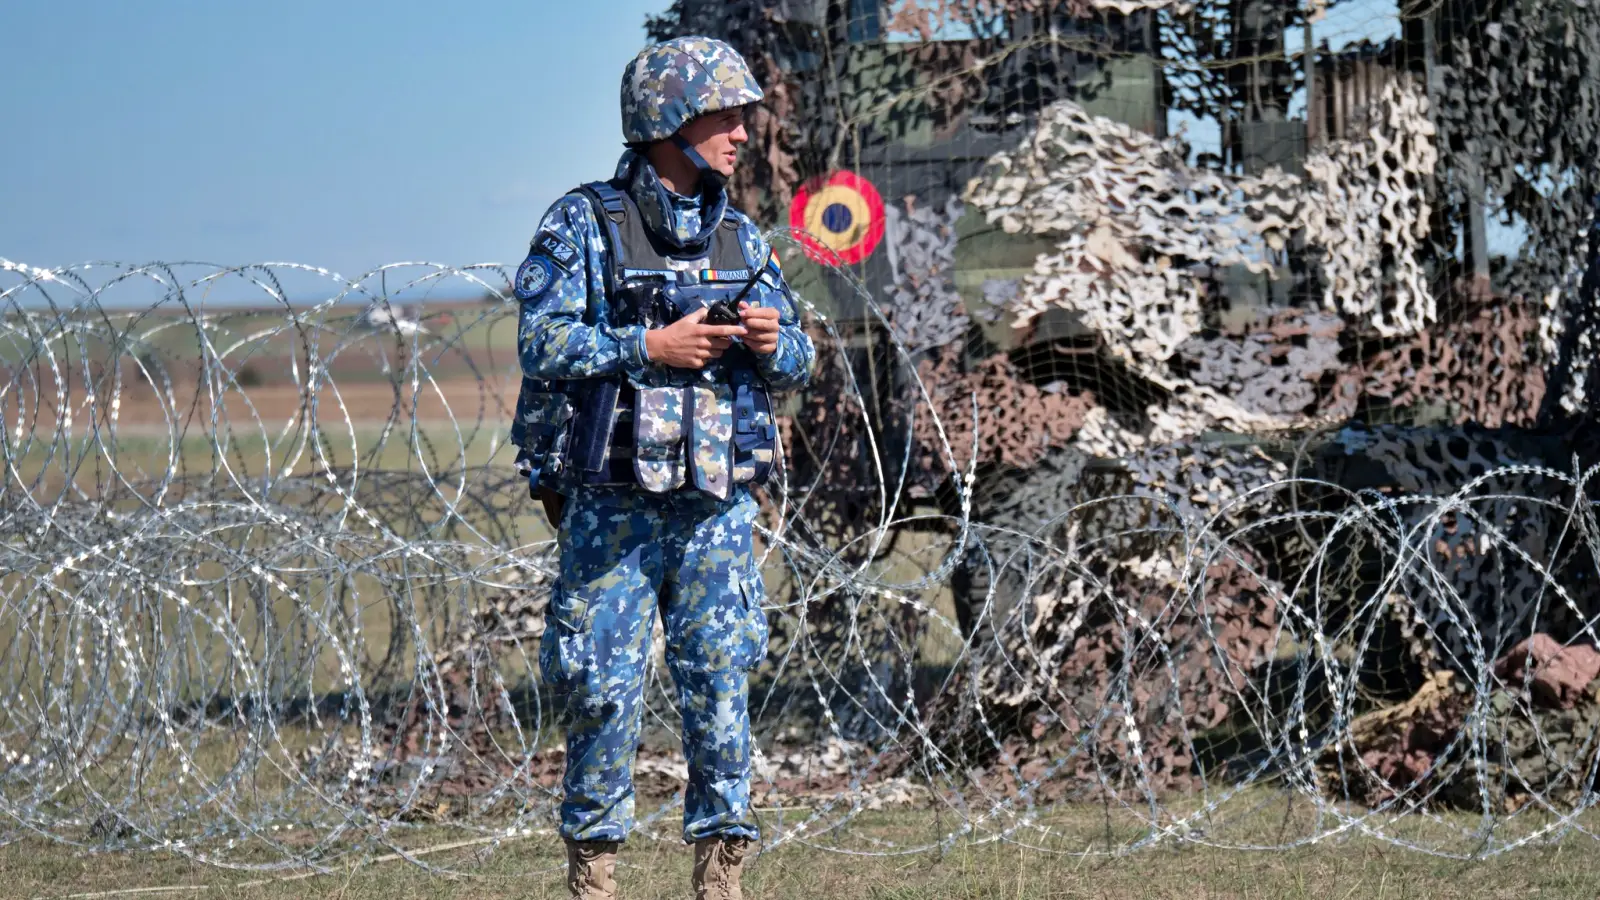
(534, 276)
(838, 218)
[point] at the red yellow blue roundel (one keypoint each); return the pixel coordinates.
(838, 218)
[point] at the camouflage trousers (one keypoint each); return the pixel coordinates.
(626, 554)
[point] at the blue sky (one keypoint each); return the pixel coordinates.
(340, 133)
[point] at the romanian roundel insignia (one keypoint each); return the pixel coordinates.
(536, 273)
(838, 218)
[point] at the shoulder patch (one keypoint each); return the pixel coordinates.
(534, 276)
(561, 251)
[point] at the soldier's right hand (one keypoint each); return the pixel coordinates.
(689, 343)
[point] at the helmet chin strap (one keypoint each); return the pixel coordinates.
(710, 179)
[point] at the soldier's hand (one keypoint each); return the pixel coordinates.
(689, 343)
(762, 324)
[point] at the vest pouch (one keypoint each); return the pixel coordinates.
(544, 421)
(755, 432)
(658, 419)
(710, 418)
(591, 432)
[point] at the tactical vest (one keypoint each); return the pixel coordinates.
(708, 429)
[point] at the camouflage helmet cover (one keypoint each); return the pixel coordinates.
(674, 81)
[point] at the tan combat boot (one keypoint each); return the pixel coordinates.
(718, 863)
(590, 867)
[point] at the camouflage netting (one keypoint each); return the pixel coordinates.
(923, 308)
(1016, 422)
(1367, 211)
(1517, 92)
(1113, 674)
(1128, 213)
(1543, 710)
(1121, 363)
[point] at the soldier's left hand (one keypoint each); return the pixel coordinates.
(761, 328)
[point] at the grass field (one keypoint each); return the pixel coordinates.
(530, 868)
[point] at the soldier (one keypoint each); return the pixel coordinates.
(655, 325)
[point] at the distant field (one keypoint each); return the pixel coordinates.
(129, 385)
(264, 358)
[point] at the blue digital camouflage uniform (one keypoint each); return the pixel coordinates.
(627, 553)
(623, 557)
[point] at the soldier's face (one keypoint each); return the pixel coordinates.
(717, 137)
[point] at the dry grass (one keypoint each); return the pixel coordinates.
(828, 868)
(660, 869)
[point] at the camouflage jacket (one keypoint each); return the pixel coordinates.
(570, 328)
(557, 339)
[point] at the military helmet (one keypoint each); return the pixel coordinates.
(674, 81)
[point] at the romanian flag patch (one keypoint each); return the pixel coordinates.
(724, 275)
